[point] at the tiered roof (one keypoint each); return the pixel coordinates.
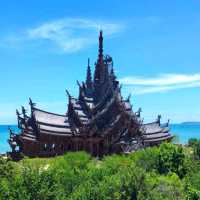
(99, 110)
(155, 132)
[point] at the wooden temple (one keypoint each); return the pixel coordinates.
(99, 121)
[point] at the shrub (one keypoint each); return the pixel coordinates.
(146, 158)
(171, 159)
(6, 168)
(157, 173)
(192, 142)
(196, 148)
(165, 187)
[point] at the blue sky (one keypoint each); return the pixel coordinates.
(44, 46)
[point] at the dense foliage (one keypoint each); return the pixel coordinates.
(166, 172)
(195, 144)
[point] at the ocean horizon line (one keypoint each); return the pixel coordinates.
(182, 132)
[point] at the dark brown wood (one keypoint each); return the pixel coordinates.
(99, 121)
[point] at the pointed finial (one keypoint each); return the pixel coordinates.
(138, 113)
(159, 118)
(112, 71)
(78, 84)
(68, 94)
(31, 103)
(10, 131)
(23, 111)
(112, 74)
(83, 85)
(128, 98)
(101, 46)
(89, 76)
(17, 112)
(168, 122)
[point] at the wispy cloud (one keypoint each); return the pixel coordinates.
(160, 83)
(68, 34)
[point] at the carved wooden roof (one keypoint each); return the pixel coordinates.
(50, 118)
(100, 107)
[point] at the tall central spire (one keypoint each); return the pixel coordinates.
(100, 59)
(99, 68)
(89, 76)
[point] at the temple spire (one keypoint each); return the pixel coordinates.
(99, 67)
(100, 59)
(89, 76)
(24, 112)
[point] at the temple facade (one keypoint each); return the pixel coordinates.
(99, 121)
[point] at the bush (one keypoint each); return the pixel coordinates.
(165, 187)
(196, 148)
(161, 173)
(192, 142)
(195, 144)
(6, 168)
(146, 158)
(171, 159)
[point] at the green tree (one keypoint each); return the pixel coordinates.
(7, 169)
(196, 148)
(165, 187)
(171, 159)
(192, 142)
(146, 158)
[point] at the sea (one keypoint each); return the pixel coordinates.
(182, 132)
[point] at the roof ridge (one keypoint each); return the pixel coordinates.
(50, 112)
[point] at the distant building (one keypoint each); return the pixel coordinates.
(99, 121)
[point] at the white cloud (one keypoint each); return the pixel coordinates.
(161, 83)
(72, 34)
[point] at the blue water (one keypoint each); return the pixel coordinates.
(4, 135)
(182, 131)
(185, 131)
